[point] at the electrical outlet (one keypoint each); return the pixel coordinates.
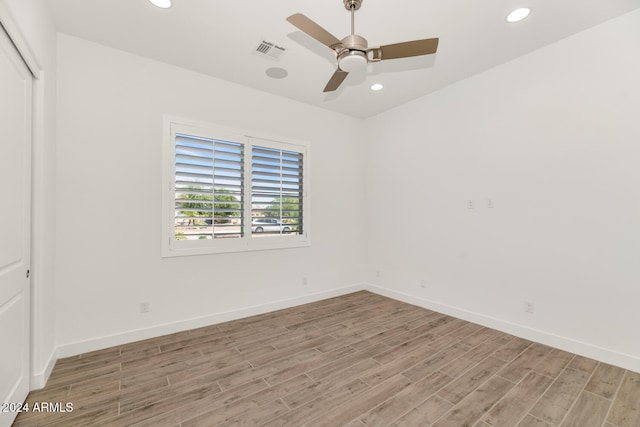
(144, 307)
(423, 283)
(305, 281)
(529, 307)
(377, 273)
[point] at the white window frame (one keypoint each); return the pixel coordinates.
(171, 246)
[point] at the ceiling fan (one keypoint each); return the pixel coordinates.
(353, 52)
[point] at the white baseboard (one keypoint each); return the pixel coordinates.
(585, 349)
(85, 346)
(39, 380)
(623, 360)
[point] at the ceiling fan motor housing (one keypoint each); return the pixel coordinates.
(354, 57)
(356, 42)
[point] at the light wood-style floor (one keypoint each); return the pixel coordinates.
(356, 360)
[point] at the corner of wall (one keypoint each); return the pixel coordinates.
(626, 361)
(39, 379)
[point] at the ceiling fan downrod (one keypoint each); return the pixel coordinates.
(352, 6)
(353, 41)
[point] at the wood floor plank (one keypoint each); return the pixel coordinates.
(216, 339)
(482, 350)
(474, 406)
(278, 391)
(590, 410)
(256, 416)
(605, 380)
(328, 384)
(554, 363)
(321, 405)
(150, 396)
(626, 408)
(210, 403)
(425, 413)
(342, 363)
(482, 335)
(387, 334)
(427, 328)
(531, 421)
(406, 399)
(517, 402)
(464, 331)
(285, 369)
(393, 353)
(361, 403)
(458, 366)
(435, 362)
(199, 406)
(354, 360)
(525, 362)
(512, 349)
(583, 364)
(557, 400)
(467, 383)
(279, 354)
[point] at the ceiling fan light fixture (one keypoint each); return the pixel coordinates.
(352, 61)
(353, 52)
(164, 4)
(518, 15)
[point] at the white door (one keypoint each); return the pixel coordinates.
(15, 224)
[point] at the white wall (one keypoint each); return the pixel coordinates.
(29, 23)
(109, 202)
(553, 138)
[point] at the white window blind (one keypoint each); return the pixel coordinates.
(209, 188)
(276, 191)
(228, 191)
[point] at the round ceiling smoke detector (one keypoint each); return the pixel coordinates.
(277, 73)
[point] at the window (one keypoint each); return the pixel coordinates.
(276, 191)
(226, 191)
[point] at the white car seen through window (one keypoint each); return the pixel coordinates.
(269, 225)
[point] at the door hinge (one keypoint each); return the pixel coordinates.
(28, 273)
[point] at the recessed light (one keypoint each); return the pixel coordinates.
(161, 3)
(376, 86)
(518, 14)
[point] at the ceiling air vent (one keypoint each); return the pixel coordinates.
(271, 50)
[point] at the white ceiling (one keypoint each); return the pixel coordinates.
(219, 38)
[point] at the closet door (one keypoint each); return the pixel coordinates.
(15, 225)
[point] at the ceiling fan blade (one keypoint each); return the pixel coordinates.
(405, 50)
(314, 30)
(336, 80)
